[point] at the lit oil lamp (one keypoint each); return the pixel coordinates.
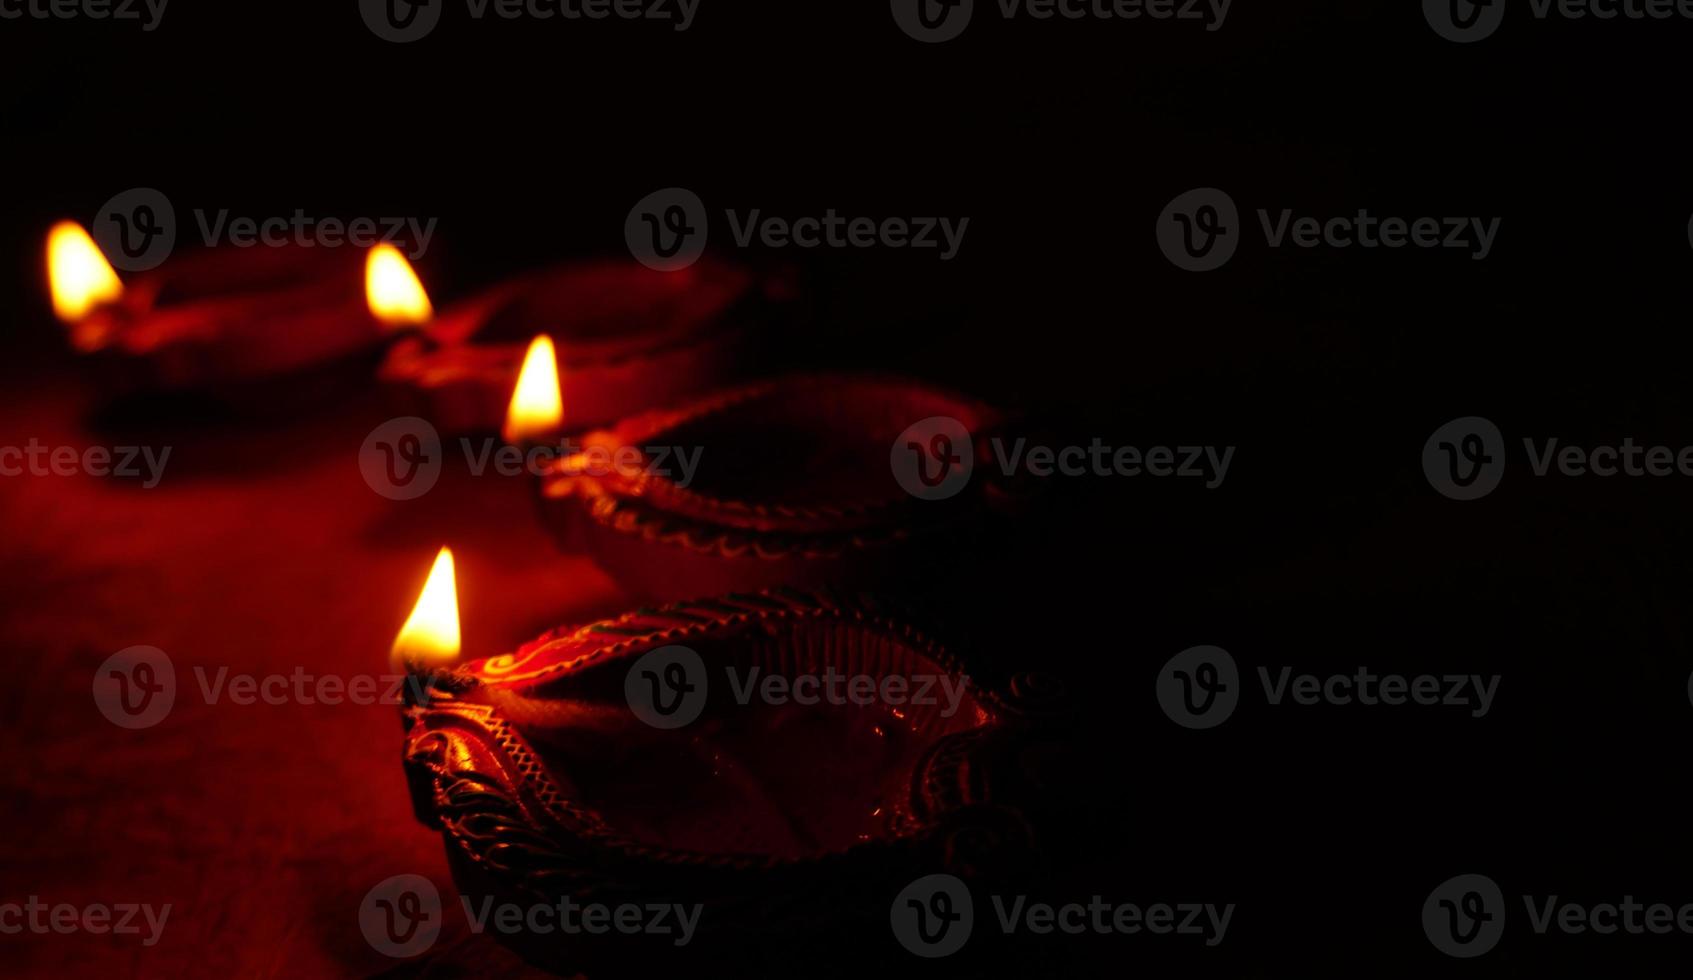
(392, 290)
(213, 319)
(792, 485)
(535, 412)
(628, 338)
(82, 280)
(430, 637)
(789, 825)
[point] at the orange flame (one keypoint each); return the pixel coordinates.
(391, 287)
(537, 402)
(79, 276)
(431, 633)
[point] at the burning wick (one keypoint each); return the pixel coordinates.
(537, 402)
(392, 289)
(430, 637)
(77, 273)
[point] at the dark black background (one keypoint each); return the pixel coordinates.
(1062, 142)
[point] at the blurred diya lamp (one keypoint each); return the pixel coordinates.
(627, 338)
(619, 762)
(795, 481)
(214, 319)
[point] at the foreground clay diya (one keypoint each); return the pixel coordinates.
(628, 338)
(792, 485)
(785, 824)
(221, 318)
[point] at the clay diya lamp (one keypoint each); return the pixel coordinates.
(617, 763)
(804, 480)
(628, 338)
(215, 320)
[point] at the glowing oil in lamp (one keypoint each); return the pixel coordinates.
(394, 293)
(536, 410)
(430, 636)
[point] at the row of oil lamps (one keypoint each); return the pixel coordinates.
(85, 290)
(557, 770)
(645, 354)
